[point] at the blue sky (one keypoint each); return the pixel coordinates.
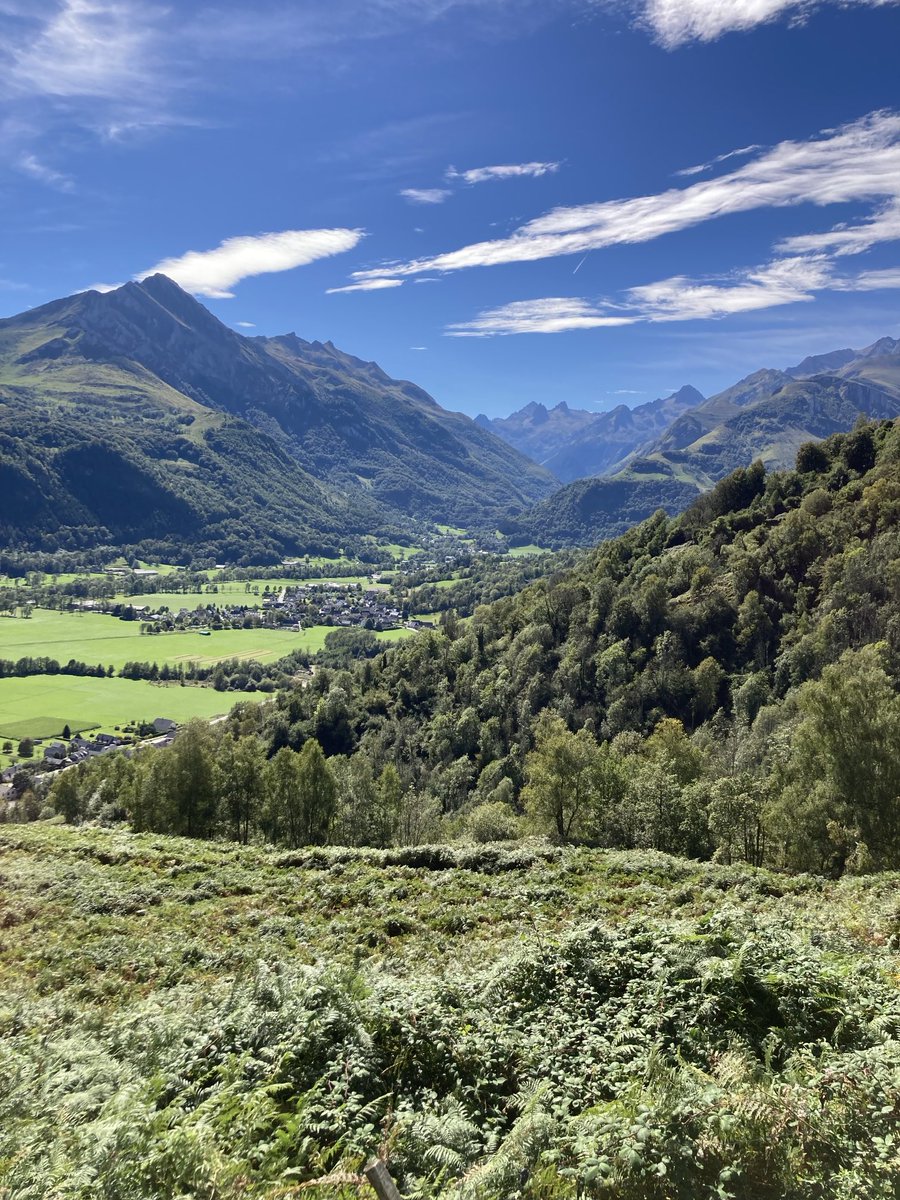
(504, 200)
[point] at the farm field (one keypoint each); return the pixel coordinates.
(42, 705)
(97, 638)
(501, 1021)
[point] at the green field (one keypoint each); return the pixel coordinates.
(524, 551)
(42, 705)
(97, 638)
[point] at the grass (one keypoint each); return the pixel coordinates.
(197, 1019)
(42, 705)
(98, 638)
(523, 551)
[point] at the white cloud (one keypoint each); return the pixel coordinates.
(701, 168)
(367, 285)
(883, 226)
(245, 324)
(213, 272)
(425, 195)
(784, 281)
(857, 162)
(30, 164)
(509, 171)
(675, 22)
(553, 314)
(96, 48)
(872, 281)
(679, 298)
(418, 347)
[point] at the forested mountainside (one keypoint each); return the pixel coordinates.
(574, 443)
(137, 415)
(723, 682)
(767, 416)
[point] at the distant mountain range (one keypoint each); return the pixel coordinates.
(136, 418)
(135, 414)
(768, 416)
(574, 443)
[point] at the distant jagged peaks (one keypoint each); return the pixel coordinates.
(574, 443)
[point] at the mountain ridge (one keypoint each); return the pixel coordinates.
(767, 415)
(575, 443)
(145, 385)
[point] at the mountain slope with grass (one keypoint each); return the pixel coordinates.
(136, 414)
(204, 1020)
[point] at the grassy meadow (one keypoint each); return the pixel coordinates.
(98, 638)
(40, 706)
(516, 1022)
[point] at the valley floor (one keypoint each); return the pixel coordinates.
(516, 1020)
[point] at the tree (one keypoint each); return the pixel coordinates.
(241, 764)
(318, 794)
(65, 795)
(26, 748)
(300, 796)
(386, 814)
(736, 815)
(843, 772)
(561, 792)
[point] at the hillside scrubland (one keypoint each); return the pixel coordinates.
(205, 1020)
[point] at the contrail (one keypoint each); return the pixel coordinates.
(580, 265)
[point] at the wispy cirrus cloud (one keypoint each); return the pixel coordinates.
(843, 239)
(858, 162)
(875, 281)
(674, 23)
(702, 168)
(551, 314)
(679, 298)
(783, 281)
(425, 195)
(31, 165)
(215, 272)
(367, 285)
(86, 48)
(508, 171)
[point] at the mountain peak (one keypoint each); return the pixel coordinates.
(688, 395)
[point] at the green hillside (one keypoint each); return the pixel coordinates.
(206, 1020)
(720, 683)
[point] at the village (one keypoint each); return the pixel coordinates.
(31, 772)
(299, 607)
